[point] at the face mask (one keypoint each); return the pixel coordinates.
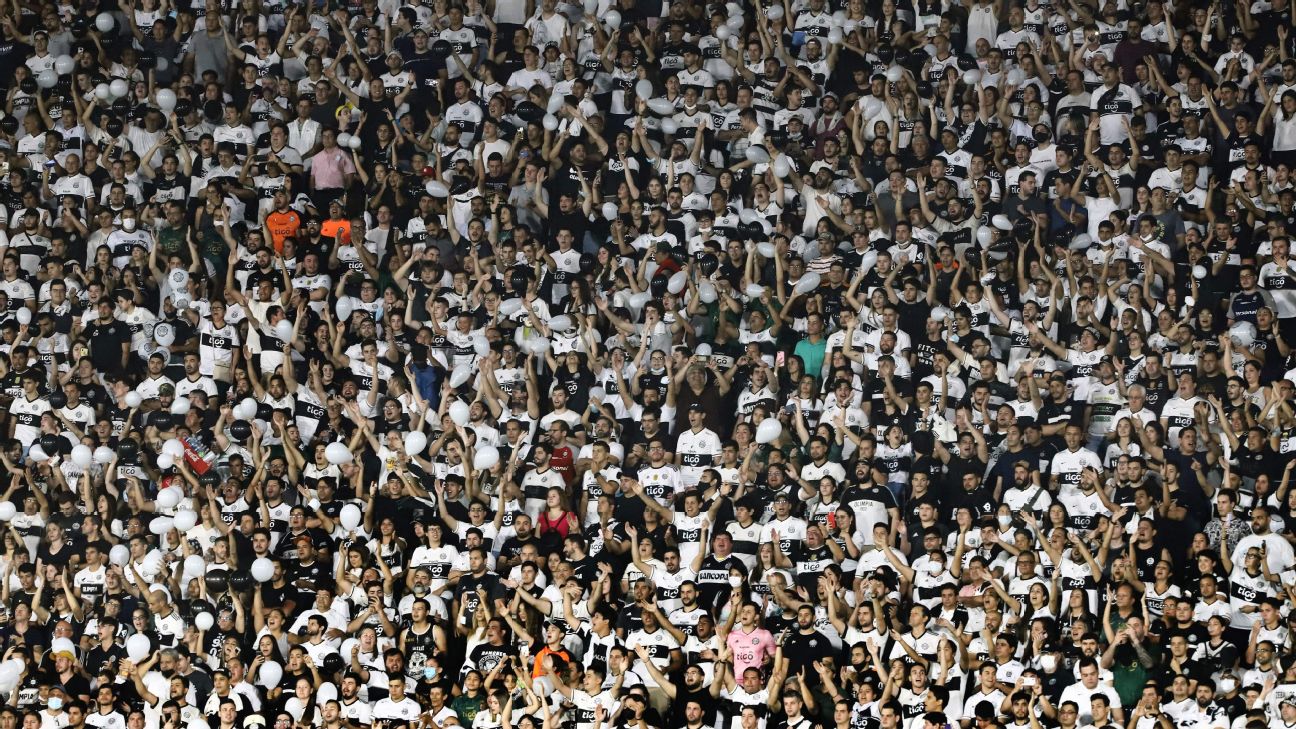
(429, 672)
(735, 581)
(1227, 685)
(1005, 521)
(128, 224)
(1048, 662)
(936, 568)
(1041, 137)
(55, 703)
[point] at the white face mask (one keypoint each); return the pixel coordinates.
(1005, 521)
(1048, 662)
(936, 568)
(1226, 685)
(735, 580)
(128, 224)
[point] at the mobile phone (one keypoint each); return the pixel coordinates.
(1028, 681)
(780, 358)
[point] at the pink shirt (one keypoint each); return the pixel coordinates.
(749, 649)
(328, 166)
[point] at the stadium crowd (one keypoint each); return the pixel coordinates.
(647, 364)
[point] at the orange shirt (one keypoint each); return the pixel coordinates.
(330, 228)
(283, 225)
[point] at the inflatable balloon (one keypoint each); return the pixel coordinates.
(343, 139)
(166, 100)
(37, 454)
(194, 564)
(459, 412)
(669, 126)
(7, 510)
(644, 89)
(781, 166)
(437, 188)
(269, 675)
(677, 282)
(82, 456)
(262, 569)
(808, 283)
(337, 453)
(240, 581)
(757, 154)
(204, 620)
(707, 292)
(138, 648)
(610, 211)
(284, 331)
(118, 88)
(172, 447)
(241, 430)
(47, 79)
(560, 323)
(181, 406)
(612, 19)
(217, 582)
(769, 430)
(350, 517)
(119, 554)
(103, 455)
(185, 520)
(64, 64)
(133, 399)
(415, 442)
(661, 106)
(161, 524)
(549, 122)
(164, 461)
(774, 12)
(483, 460)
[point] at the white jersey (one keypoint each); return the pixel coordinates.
(697, 452)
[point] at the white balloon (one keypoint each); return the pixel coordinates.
(972, 76)
(836, 36)
(610, 210)
(164, 334)
(181, 406)
(82, 456)
(550, 122)
(284, 331)
(612, 19)
(597, 394)
(269, 675)
(167, 497)
(749, 215)
(138, 647)
(555, 104)
(133, 399)
(7, 510)
(64, 64)
(677, 282)
(415, 442)
(337, 453)
(638, 300)
(537, 345)
(782, 167)
(985, 236)
(754, 290)
(808, 283)
(510, 307)
(459, 412)
(769, 430)
(560, 323)
(591, 6)
(939, 313)
(757, 154)
(485, 458)
(249, 407)
(437, 188)
(650, 269)
(119, 554)
(102, 92)
(481, 345)
(661, 106)
(1015, 77)
(103, 455)
(172, 447)
(355, 143)
(707, 292)
(104, 22)
(643, 88)
(204, 620)
(669, 126)
(1199, 272)
(184, 520)
(47, 79)
(23, 315)
(162, 63)
(36, 454)
(164, 462)
(350, 517)
(262, 569)
(766, 250)
(166, 100)
(161, 525)
(194, 564)
(774, 12)
(1001, 222)
(118, 88)
(735, 22)
(723, 33)
(460, 375)
(343, 139)
(894, 74)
